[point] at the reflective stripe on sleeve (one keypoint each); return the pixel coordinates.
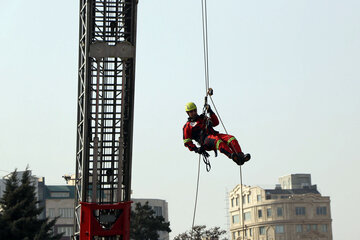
(187, 140)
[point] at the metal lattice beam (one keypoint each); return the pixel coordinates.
(107, 36)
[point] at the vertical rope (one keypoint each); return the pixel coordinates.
(207, 83)
(196, 196)
(205, 43)
(242, 205)
(206, 67)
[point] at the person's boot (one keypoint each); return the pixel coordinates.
(236, 158)
(240, 158)
(244, 157)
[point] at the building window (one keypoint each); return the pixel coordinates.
(68, 231)
(248, 198)
(298, 228)
(321, 210)
(59, 194)
(283, 197)
(66, 212)
(258, 197)
(268, 212)
(274, 197)
(243, 199)
(262, 230)
(158, 211)
(300, 210)
(247, 216)
(279, 228)
(259, 213)
(314, 227)
(237, 201)
(233, 235)
(51, 212)
(308, 227)
(232, 202)
(250, 232)
(324, 227)
(267, 196)
(235, 219)
(279, 211)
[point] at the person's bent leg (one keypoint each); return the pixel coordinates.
(231, 141)
(224, 149)
(213, 142)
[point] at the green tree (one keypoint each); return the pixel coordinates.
(200, 232)
(214, 233)
(19, 215)
(144, 224)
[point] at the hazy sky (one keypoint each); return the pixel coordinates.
(286, 78)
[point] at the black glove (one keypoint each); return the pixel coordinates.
(207, 107)
(201, 150)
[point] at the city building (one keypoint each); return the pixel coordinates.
(38, 183)
(60, 202)
(293, 210)
(2, 187)
(160, 208)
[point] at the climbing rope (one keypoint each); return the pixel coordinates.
(242, 205)
(208, 91)
(205, 44)
(196, 196)
(241, 183)
(206, 68)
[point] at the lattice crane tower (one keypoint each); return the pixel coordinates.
(107, 36)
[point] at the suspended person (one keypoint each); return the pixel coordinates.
(200, 129)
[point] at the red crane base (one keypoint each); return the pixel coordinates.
(90, 226)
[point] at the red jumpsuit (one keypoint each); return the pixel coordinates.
(207, 137)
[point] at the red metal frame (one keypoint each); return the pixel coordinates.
(90, 226)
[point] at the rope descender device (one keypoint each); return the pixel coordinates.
(209, 92)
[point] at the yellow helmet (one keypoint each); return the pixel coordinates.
(190, 106)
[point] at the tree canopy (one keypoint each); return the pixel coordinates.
(19, 211)
(200, 232)
(145, 224)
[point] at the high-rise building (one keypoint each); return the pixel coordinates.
(293, 210)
